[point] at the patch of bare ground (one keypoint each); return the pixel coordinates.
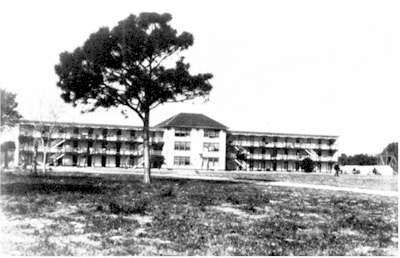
(238, 211)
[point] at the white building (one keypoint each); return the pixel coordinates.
(185, 141)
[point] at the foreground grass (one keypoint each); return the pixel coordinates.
(117, 215)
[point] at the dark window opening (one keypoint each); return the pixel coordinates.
(103, 161)
(117, 161)
(89, 161)
(274, 165)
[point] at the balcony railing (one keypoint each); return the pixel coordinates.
(289, 145)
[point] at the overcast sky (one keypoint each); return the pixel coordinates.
(318, 67)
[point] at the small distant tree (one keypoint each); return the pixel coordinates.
(343, 159)
(389, 156)
(6, 147)
(358, 160)
(9, 113)
(134, 66)
(45, 131)
(307, 165)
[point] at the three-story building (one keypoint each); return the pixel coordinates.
(184, 141)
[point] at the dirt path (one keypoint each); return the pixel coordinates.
(326, 187)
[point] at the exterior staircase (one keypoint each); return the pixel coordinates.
(312, 154)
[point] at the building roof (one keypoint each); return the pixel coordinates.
(191, 120)
(83, 125)
(297, 135)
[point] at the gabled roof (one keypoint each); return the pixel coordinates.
(191, 120)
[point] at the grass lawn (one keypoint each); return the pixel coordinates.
(118, 215)
(385, 183)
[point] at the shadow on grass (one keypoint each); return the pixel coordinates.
(27, 188)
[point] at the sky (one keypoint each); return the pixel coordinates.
(316, 67)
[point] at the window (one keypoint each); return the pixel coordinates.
(286, 151)
(104, 145)
(182, 132)
(211, 146)
(211, 133)
(75, 144)
(319, 141)
(183, 146)
(132, 133)
(61, 130)
(118, 132)
(275, 139)
(76, 130)
(209, 163)
(274, 153)
(181, 161)
(90, 132)
(104, 132)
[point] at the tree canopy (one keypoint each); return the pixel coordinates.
(124, 66)
(135, 65)
(358, 159)
(307, 165)
(9, 113)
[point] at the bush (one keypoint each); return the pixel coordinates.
(138, 207)
(157, 161)
(167, 191)
(307, 165)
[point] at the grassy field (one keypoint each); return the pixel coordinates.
(118, 215)
(387, 183)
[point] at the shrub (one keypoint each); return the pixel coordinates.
(167, 191)
(138, 207)
(18, 208)
(157, 161)
(307, 165)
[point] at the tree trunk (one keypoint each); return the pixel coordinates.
(44, 160)
(146, 148)
(35, 152)
(5, 150)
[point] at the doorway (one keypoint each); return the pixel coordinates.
(74, 160)
(89, 161)
(103, 161)
(117, 161)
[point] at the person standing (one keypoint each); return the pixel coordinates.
(337, 169)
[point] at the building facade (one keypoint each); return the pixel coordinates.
(280, 152)
(184, 141)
